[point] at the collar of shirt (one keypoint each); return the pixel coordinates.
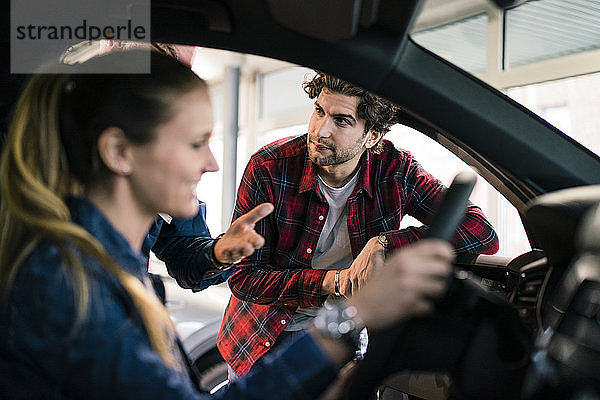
(309, 176)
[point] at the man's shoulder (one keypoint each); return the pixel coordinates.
(390, 154)
(293, 146)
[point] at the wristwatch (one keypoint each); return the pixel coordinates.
(337, 320)
(336, 284)
(383, 240)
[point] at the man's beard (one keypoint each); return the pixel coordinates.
(337, 156)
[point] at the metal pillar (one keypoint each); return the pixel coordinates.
(231, 93)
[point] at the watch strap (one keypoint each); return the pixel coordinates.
(382, 239)
(336, 283)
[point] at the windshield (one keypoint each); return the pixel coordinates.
(544, 54)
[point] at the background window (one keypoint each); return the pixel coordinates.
(462, 42)
(281, 93)
(444, 165)
(540, 30)
(570, 104)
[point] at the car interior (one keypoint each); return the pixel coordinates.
(532, 327)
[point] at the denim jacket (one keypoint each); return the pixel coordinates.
(109, 356)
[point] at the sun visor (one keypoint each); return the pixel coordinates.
(313, 18)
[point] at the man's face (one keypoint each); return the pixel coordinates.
(336, 135)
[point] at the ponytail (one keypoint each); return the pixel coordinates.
(33, 176)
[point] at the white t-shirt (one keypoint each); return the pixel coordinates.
(333, 249)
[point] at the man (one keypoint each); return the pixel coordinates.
(339, 193)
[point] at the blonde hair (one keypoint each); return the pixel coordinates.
(35, 178)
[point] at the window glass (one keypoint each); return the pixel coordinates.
(570, 104)
(271, 136)
(216, 98)
(279, 92)
(444, 165)
(540, 30)
(206, 192)
(535, 35)
(462, 42)
(534, 31)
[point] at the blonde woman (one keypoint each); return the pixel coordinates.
(89, 162)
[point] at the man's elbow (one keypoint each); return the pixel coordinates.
(493, 245)
(487, 241)
(483, 231)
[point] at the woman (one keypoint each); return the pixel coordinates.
(90, 160)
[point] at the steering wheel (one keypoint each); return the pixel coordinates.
(469, 325)
(452, 209)
(375, 364)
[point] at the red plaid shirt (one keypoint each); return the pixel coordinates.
(278, 278)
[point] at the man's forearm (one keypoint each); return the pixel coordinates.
(328, 285)
(402, 237)
(475, 234)
(265, 285)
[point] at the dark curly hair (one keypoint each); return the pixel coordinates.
(379, 114)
